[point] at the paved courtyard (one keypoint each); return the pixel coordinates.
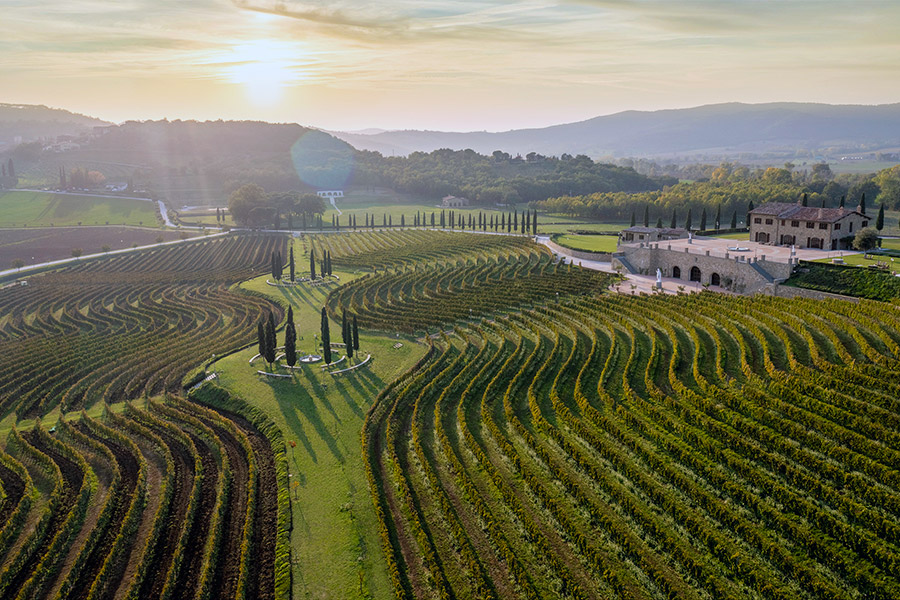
(720, 247)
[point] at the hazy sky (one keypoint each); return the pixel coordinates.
(441, 64)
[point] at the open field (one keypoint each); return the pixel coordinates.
(45, 209)
(38, 245)
(588, 243)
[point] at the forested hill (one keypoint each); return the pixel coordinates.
(28, 121)
(719, 129)
(498, 178)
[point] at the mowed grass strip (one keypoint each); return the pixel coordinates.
(588, 243)
(42, 209)
(336, 550)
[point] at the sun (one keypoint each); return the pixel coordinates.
(264, 68)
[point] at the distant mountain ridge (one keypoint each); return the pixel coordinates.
(731, 128)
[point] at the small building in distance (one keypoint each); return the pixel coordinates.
(328, 194)
(786, 224)
(651, 234)
(454, 202)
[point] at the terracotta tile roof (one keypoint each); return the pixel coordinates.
(796, 212)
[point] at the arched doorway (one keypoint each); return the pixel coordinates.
(714, 279)
(815, 243)
(787, 240)
(695, 273)
(762, 237)
(676, 272)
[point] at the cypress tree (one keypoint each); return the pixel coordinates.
(367, 220)
(10, 169)
(843, 199)
(432, 218)
(502, 221)
(534, 223)
(632, 219)
(862, 203)
(326, 338)
(384, 219)
(355, 334)
(718, 215)
(804, 201)
(271, 343)
(274, 265)
(280, 265)
(292, 264)
(646, 215)
(659, 223)
(750, 207)
(402, 221)
(304, 221)
(290, 339)
(823, 206)
(515, 219)
(688, 221)
(879, 222)
(261, 339)
(390, 221)
(344, 327)
(703, 219)
(312, 263)
(674, 222)
(734, 219)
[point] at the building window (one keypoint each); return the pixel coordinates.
(795, 223)
(823, 225)
(810, 225)
(837, 226)
(757, 220)
(851, 226)
(782, 222)
(865, 223)
(769, 222)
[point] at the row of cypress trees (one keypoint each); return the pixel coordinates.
(267, 343)
(526, 222)
(324, 266)
(349, 335)
(278, 265)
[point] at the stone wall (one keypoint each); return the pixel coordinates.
(736, 273)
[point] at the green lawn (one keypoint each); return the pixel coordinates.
(335, 543)
(733, 236)
(891, 243)
(588, 243)
(863, 260)
(43, 209)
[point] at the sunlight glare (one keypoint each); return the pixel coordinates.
(264, 68)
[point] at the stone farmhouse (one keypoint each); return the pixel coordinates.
(785, 224)
(454, 202)
(651, 234)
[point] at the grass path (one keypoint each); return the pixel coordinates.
(335, 545)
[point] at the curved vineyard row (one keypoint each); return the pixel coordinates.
(696, 446)
(415, 299)
(383, 249)
(163, 502)
(126, 326)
